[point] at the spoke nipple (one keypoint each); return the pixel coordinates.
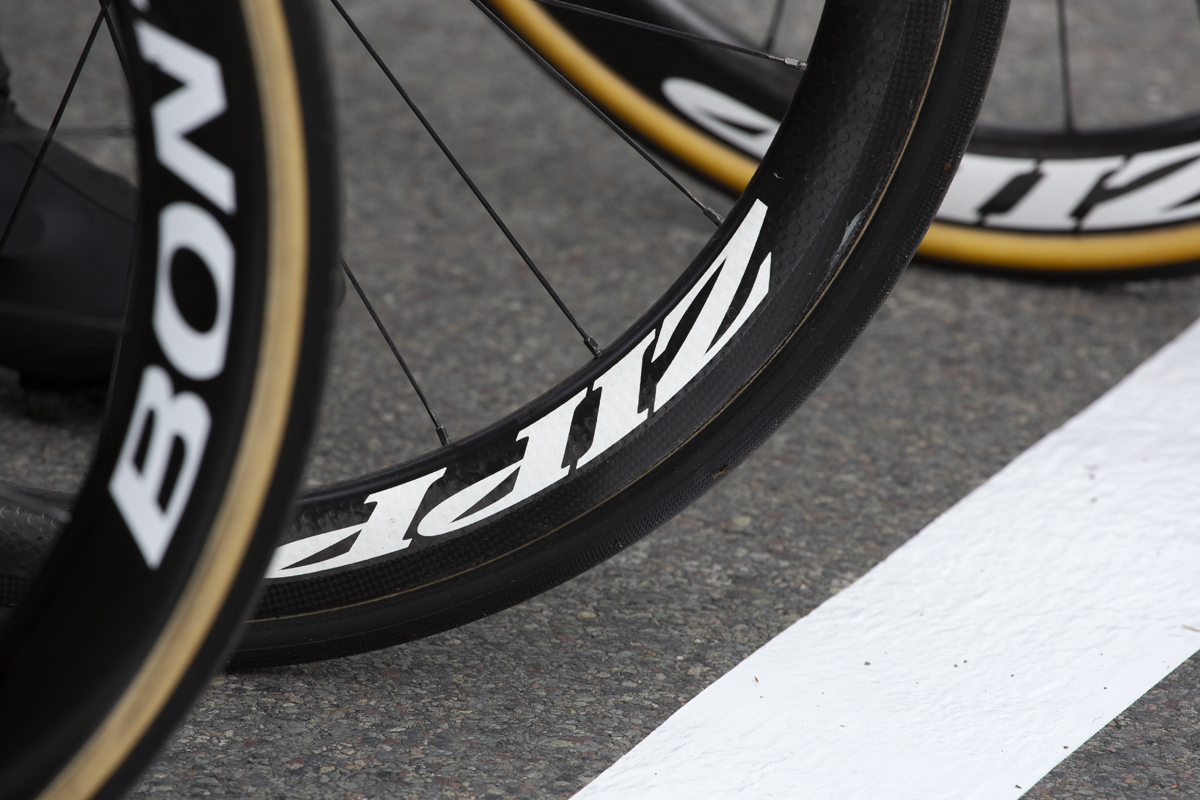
(714, 216)
(794, 62)
(596, 349)
(443, 437)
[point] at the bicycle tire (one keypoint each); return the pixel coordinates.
(1023, 200)
(208, 419)
(705, 375)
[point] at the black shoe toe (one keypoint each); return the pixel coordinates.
(64, 268)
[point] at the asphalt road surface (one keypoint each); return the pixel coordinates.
(958, 374)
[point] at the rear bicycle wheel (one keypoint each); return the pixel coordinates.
(743, 336)
(1049, 192)
(209, 413)
(1092, 172)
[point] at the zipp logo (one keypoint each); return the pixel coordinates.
(168, 432)
(674, 352)
(1158, 187)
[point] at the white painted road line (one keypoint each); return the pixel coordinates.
(985, 650)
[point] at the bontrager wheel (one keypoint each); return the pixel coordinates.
(1115, 196)
(210, 406)
(747, 331)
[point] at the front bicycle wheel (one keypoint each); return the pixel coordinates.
(210, 405)
(748, 330)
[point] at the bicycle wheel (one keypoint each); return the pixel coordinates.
(208, 415)
(1113, 196)
(1094, 172)
(746, 332)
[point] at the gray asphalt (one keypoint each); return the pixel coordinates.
(958, 374)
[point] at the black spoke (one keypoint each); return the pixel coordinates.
(773, 28)
(22, 500)
(1064, 66)
(113, 34)
(691, 37)
(629, 140)
(443, 437)
(587, 340)
(62, 106)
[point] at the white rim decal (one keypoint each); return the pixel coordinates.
(545, 462)
(1091, 194)
(1159, 187)
(200, 100)
(1164, 198)
(164, 418)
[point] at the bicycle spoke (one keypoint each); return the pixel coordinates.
(62, 106)
(443, 437)
(773, 28)
(587, 340)
(712, 215)
(1064, 66)
(14, 495)
(113, 34)
(691, 37)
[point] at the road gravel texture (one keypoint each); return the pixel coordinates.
(958, 374)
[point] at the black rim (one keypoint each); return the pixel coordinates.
(811, 225)
(177, 412)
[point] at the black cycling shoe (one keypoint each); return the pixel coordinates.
(64, 267)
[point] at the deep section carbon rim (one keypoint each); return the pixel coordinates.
(746, 332)
(199, 456)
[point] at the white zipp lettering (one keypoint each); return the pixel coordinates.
(200, 355)
(200, 100)
(166, 420)
(619, 389)
(1159, 202)
(1062, 185)
(1048, 204)
(1061, 188)
(546, 461)
(722, 115)
(978, 180)
(538, 469)
(701, 343)
(383, 533)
